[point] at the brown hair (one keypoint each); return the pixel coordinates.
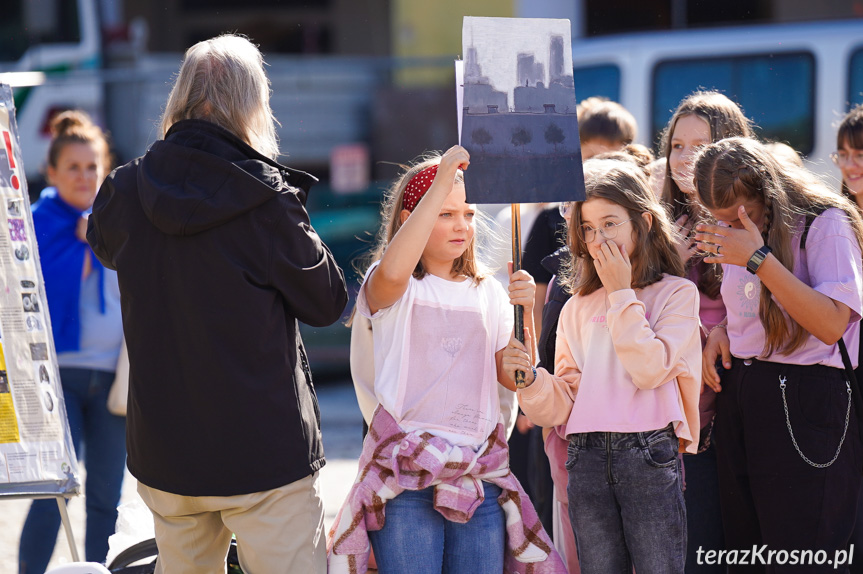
(850, 133)
(605, 120)
(74, 126)
(467, 264)
(725, 119)
(737, 169)
(623, 183)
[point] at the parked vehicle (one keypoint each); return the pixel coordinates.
(794, 80)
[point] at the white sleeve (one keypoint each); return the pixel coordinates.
(363, 365)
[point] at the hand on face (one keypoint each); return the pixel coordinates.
(613, 266)
(727, 244)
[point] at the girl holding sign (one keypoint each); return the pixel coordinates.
(788, 446)
(435, 493)
(626, 377)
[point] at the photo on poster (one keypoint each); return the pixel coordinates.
(34, 323)
(28, 284)
(44, 377)
(13, 207)
(30, 302)
(49, 401)
(4, 382)
(8, 178)
(22, 253)
(17, 231)
(519, 118)
(39, 351)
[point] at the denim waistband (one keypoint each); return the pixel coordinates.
(621, 440)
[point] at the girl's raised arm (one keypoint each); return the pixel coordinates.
(389, 280)
(822, 316)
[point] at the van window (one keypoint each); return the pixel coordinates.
(27, 23)
(855, 78)
(776, 91)
(602, 80)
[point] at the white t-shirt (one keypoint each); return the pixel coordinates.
(434, 356)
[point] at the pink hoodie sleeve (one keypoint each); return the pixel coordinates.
(654, 356)
(548, 401)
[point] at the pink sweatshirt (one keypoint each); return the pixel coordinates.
(633, 359)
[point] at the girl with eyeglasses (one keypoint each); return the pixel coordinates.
(626, 376)
(848, 156)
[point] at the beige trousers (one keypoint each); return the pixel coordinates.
(279, 530)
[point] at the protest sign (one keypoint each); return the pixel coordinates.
(517, 114)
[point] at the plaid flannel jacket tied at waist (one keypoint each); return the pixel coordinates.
(393, 461)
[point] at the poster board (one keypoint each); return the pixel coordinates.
(517, 111)
(37, 458)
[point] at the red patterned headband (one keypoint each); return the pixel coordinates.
(418, 186)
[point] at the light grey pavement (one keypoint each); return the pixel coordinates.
(342, 427)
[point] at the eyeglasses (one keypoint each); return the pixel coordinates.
(841, 158)
(565, 208)
(608, 231)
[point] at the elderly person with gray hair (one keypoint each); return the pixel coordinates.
(217, 261)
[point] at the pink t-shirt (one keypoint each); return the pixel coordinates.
(831, 265)
(434, 356)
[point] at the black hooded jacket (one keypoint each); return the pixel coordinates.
(216, 261)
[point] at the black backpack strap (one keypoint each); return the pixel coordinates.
(846, 359)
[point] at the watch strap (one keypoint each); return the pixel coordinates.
(757, 259)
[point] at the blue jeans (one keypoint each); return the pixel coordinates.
(99, 439)
(417, 538)
(626, 502)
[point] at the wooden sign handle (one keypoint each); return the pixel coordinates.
(516, 265)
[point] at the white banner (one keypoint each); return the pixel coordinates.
(36, 453)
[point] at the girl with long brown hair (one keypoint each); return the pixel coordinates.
(789, 451)
(626, 376)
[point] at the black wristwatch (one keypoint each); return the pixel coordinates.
(757, 259)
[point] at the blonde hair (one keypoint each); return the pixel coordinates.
(467, 264)
(222, 80)
(624, 183)
(783, 152)
(74, 126)
(738, 169)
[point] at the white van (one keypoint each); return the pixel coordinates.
(50, 53)
(795, 81)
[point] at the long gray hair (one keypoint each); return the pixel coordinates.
(222, 80)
